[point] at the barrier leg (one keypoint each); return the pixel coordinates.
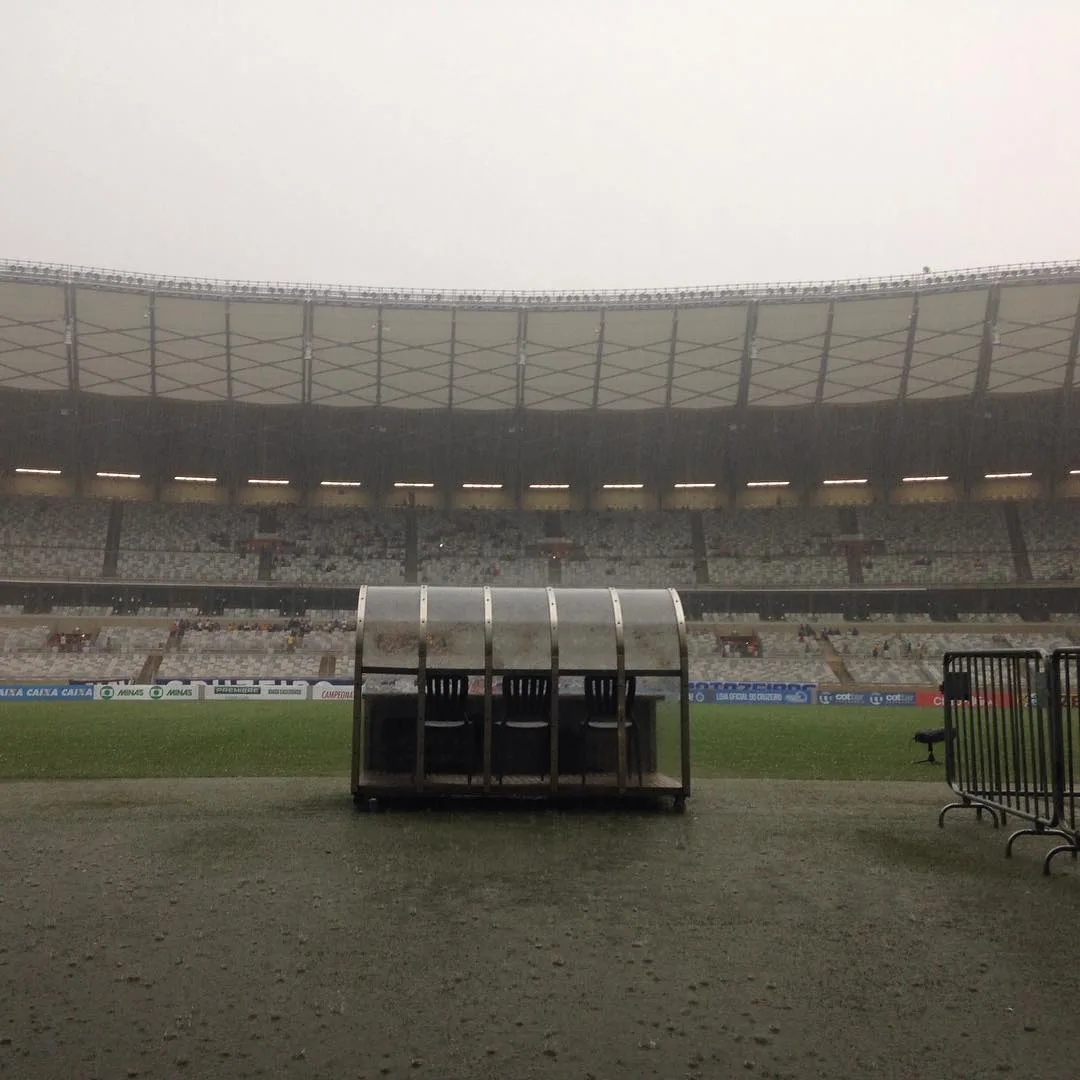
(966, 804)
(1020, 832)
(1073, 847)
(1040, 830)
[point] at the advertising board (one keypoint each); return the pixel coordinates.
(150, 692)
(47, 692)
(868, 697)
(325, 691)
(256, 692)
(752, 693)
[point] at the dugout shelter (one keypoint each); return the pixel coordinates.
(544, 693)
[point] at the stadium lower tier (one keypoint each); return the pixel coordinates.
(828, 654)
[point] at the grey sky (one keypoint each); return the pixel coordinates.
(597, 143)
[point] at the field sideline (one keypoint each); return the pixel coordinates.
(105, 740)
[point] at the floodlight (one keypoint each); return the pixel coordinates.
(120, 475)
(412, 484)
(558, 487)
(340, 483)
(841, 483)
(482, 486)
(922, 479)
(196, 479)
(768, 483)
(622, 487)
(696, 485)
(268, 483)
(1006, 475)
(39, 472)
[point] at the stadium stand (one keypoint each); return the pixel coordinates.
(936, 544)
(891, 659)
(825, 651)
(1052, 534)
(339, 546)
(192, 664)
(647, 548)
(774, 546)
(51, 538)
(637, 404)
(134, 640)
(477, 547)
(189, 542)
(19, 637)
(36, 650)
(90, 665)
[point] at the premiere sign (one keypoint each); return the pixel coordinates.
(256, 692)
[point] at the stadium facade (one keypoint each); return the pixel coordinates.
(960, 373)
(630, 399)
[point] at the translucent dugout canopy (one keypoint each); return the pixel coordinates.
(403, 630)
(629, 644)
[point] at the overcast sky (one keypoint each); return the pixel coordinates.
(552, 144)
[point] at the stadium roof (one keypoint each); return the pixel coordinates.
(997, 330)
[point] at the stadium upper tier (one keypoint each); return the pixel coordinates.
(999, 330)
(50, 539)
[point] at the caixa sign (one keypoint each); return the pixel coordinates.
(47, 692)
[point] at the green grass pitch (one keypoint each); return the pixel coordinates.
(98, 740)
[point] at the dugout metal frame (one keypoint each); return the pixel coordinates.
(1011, 741)
(403, 633)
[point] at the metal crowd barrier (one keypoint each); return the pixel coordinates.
(1011, 744)
(1064, 686)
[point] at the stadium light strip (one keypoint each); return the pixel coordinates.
(558, 487)
(269, 483)
(622, 487)
(483, 487)
(841, 483)
(693, 485)
(39, 472)
(768, 483)
(921, 479)
(119, 475)
(196, 479)
(1072, 472)
(340, 483)
(412, 484)
(1006, 476)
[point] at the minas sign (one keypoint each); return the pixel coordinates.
(137, 692)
